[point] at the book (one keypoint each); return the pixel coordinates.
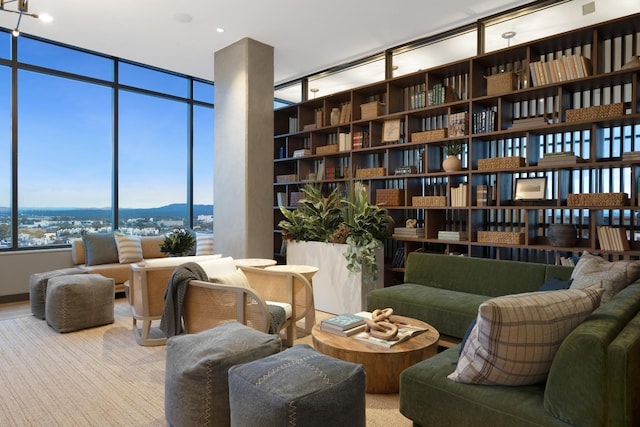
(342, 322)
(404, 333)
(343, 333)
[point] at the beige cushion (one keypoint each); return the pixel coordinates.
(516, 336)
(218, 267)
(129, 247)
(614, 276)
(151, 247)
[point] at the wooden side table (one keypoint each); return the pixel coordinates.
(308, 271)
(382, 365)
(255, 262)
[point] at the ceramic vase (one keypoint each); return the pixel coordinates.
(452, 164)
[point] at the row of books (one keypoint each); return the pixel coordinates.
(484, 121)
(561, 158)
(360, 140)
(613, 238)
(453, 235)
(405, 232)
(459, 195)
(567, 67)
(457, 124)
(484, 195)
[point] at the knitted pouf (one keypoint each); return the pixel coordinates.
(79, 301)
(196, 386)
(297, 387)
(38, 288)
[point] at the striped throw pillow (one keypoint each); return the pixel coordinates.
(516, 336)
(129, 248)
(204, 244)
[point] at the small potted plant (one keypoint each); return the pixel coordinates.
(178, 243)
(452, 162)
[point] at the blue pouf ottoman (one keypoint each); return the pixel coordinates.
(79, 301)
(196, 386)
(297, 387)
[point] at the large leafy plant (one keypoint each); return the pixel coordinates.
(178, 242)
(338, 219)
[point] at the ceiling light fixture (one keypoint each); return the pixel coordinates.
(22, 9)
(508, 35)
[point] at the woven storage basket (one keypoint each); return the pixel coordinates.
(503, 237)
(370, 172)
(327, 149)
(501, 163)
(594, 113)
(501, 83)
(371, 110)
(429, 135)
(597, 199)
(390, 197)
(429, 201)
(287, 178)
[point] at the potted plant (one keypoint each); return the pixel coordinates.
(342, 235)
(178, 243)
(452, 162)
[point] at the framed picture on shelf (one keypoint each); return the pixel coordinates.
(391, 130)
(530, 188)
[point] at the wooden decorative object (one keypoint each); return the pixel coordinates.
(429, 135)
(429, 201)
(501, 237)
(597, 199)
(370, 172)
(287, 178)
(595, 112)
(390, 197)
(501, 163)
(371, 110)
(327, 149)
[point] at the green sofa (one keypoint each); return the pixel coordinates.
(594, 379)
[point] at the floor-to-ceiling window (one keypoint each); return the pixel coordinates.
(95, 133)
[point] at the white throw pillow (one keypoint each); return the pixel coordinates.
(615, 276)
(516, 336)
(218, 267)
(129, 247)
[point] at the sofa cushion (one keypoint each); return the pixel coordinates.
(516, 336)
(204, 244)
(100, 248)
(151, 247)
(129, 247)
(615, 276)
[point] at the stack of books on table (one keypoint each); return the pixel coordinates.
(404, 333)
(452, 235)
(344, 324)
(562, 158)
(404, 232)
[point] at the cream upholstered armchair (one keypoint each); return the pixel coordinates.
(245, 296)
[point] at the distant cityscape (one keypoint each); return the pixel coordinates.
(58, 226)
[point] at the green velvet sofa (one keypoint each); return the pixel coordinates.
(594, 378)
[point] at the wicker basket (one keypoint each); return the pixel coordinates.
(390, 197)
(501, 83)
(501, 237)
(429, 135)
(595, 112)
(597, 199)
(287, 178)
(370, 172)
(429, 201)
(501, 163)
(371, 110)
(327, 149)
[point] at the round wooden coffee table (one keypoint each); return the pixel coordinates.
(382, 365)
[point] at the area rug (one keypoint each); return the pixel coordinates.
(99, 377)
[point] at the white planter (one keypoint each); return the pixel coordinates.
(335, 289)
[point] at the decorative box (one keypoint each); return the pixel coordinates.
(501, 163)
(595, 112)
(327, 149)
(370, 172)
(390, 197)
(429, 201)
(287, 178)
(501, 237)
(597, 199)
(501, 83)
(371, 110)
(429, 135)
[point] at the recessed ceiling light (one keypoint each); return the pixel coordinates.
(220, 30)
(183, 18)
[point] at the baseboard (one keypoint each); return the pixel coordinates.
(5, 299)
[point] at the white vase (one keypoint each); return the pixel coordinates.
(452, 164)
(336, 290)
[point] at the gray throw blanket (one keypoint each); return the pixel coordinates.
(278, 317)
(171, 322)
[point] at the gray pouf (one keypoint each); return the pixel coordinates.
(196, 386)
(298, 387)
(38, 288)
(79, 301)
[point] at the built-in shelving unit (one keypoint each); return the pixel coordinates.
(514, 112)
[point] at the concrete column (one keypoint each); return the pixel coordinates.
(243, 150)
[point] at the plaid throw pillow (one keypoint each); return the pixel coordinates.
(517, 336)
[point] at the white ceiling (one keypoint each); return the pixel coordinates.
(307, 36)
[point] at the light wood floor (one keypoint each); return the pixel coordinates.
(14, 309)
